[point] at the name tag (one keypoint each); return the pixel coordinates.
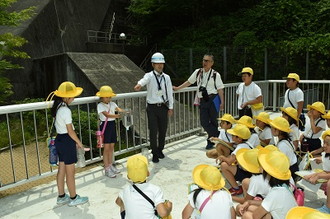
(159, 93)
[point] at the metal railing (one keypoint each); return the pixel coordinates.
(24, 127)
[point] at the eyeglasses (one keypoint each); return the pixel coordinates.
(206, 60)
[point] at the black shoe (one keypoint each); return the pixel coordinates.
(161, 155)
(209, 146)
(155, 159)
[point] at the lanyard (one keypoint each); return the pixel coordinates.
(159, 82)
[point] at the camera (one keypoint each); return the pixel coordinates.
(205, 95)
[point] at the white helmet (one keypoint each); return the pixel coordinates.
(157, 58)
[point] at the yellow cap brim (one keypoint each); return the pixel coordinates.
(79, 90)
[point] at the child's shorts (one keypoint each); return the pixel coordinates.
(66, 149)
(242, 174)
(110, 134)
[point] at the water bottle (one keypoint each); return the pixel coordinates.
(128, 119)
(53, 157)
(81, 157)
(99, 139)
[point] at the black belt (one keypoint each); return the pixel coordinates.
(157, 104)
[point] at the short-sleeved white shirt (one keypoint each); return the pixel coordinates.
(63, 118)
(325, 162)
(287, 148)
(296, 95)
(251, 92)
(103, 107)
(258, 185)
(202, 80)
(278, 202)
(308, 129)
(225, 136)
(294, 134)
(239, 146)
(254, 140)
(266, 134)
(220, 204)
(136, 206)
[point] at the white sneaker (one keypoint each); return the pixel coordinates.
(110, 173)
(114, 169)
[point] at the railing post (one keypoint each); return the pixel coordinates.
(274, 96)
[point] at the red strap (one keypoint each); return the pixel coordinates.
(205, 202)
(105, 124)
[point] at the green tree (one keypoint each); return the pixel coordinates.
(10, 44)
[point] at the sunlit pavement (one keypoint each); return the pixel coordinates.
(172, 174)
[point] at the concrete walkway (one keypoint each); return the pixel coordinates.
(172, 174)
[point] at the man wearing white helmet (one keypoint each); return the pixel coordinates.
(210, 87)
(159, 104)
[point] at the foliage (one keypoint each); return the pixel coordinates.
(288, 28)
(10, 44)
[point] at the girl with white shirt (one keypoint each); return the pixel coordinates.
(310, 139)
(106, 110)
(210, 199)
(253, 141)
(280, 199)
(281, 129)
(291, 115)
(66, 143)
(263, 129)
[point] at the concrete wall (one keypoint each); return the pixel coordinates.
(58, 27)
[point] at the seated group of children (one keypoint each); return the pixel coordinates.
(261, 157)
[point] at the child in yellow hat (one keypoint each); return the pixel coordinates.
(248, 160)
(66, 143)
(263, 129)
(226, 146)
(210, 199)
(280, 199)
(325, 174)
(232, 172)
(131, 201)
(310, 139)
(327, 118)
(291, 115)
(294, 97)
(253, 141)
(106, 110)
(301, 212)
(281, 129)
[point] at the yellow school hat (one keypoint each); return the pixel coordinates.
(271, 147)
(318, 106)
(263, 117)
(246, 120)
(281, 124)
(68, 89)
(228, 118)
(241, 131)
(292, 112)
(275, 163)
(293, 76)
(325, 134)
(246, 70)
(137, 168)
(248, 159)
(301, 212)
(208, 177)
(326, 116)
(105, 91)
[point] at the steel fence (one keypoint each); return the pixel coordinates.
(24, 127)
